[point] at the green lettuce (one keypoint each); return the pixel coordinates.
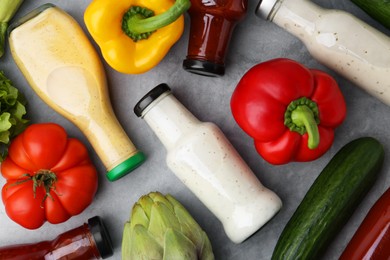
(12, 110)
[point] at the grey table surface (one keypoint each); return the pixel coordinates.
(254, 41)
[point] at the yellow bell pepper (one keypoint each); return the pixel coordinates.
(135, 35)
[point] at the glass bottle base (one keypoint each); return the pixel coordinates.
(204, 68)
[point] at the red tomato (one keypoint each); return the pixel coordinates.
(49, 176)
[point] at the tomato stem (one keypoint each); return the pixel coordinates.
(42, 178)
(45, 179)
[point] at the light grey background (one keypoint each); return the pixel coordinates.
(254, 41)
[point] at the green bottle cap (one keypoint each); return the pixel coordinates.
(125, 167)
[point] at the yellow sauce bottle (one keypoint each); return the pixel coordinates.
(63, 68)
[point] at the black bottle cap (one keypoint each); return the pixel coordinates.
(101, 236)
(204, 68)
(150, 97)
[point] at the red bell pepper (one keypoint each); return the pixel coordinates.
(372, 239)
(289, 110)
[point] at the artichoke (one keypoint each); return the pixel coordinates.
(161, 228)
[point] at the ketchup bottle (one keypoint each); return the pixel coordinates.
(372, 238)
(212, 24)
(89, 241)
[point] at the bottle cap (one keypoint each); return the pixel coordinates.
(151, 96)
(204, 68)
(264, 8)
(126, 166)
(100, 236)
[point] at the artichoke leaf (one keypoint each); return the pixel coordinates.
(188, 225)
(139, 244)
(146, 203)
(139, 217)
(126, 248)
(161, 219)
(178, 247)
(158, 197)
(206, 252)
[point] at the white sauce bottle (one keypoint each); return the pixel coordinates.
(338, 40)
(206, 162)
(63, 68)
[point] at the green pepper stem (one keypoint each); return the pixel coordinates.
(139, 20)
(302, 116)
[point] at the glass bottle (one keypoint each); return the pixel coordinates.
(63, 68)
(212, 25)
(372, 238)
(206, 162)
(338, 40)
(87, 242)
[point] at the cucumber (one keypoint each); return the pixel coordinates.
(331, 200)
(377, 9)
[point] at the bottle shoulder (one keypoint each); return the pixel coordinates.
(202, 135)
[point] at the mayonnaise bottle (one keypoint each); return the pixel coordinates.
(206, 162)
(338, 40)
(63, 68)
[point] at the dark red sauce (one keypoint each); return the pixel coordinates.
(212, 24)
(372, 238)
(89, 241)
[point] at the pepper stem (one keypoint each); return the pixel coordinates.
(302, 116)
(139, 22)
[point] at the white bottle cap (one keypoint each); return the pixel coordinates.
(264, 8)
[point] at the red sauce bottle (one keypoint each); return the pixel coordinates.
(89, 241)
(372, 238)
(212, 24)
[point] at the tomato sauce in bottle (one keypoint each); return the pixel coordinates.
(89, 241)
(372, 238)
(212, 24)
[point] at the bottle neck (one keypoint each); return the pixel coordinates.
(296, 16)
(169, 119)
(77, 243)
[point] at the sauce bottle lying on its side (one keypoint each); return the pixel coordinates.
(206, 162)
(338, 40)
(212, 25)
(63, 68)
(372, 238)
(89, 241)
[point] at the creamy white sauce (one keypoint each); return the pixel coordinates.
(63, 68)
(340, 41)
(205, 161)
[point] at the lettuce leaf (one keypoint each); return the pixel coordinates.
(12, 111)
